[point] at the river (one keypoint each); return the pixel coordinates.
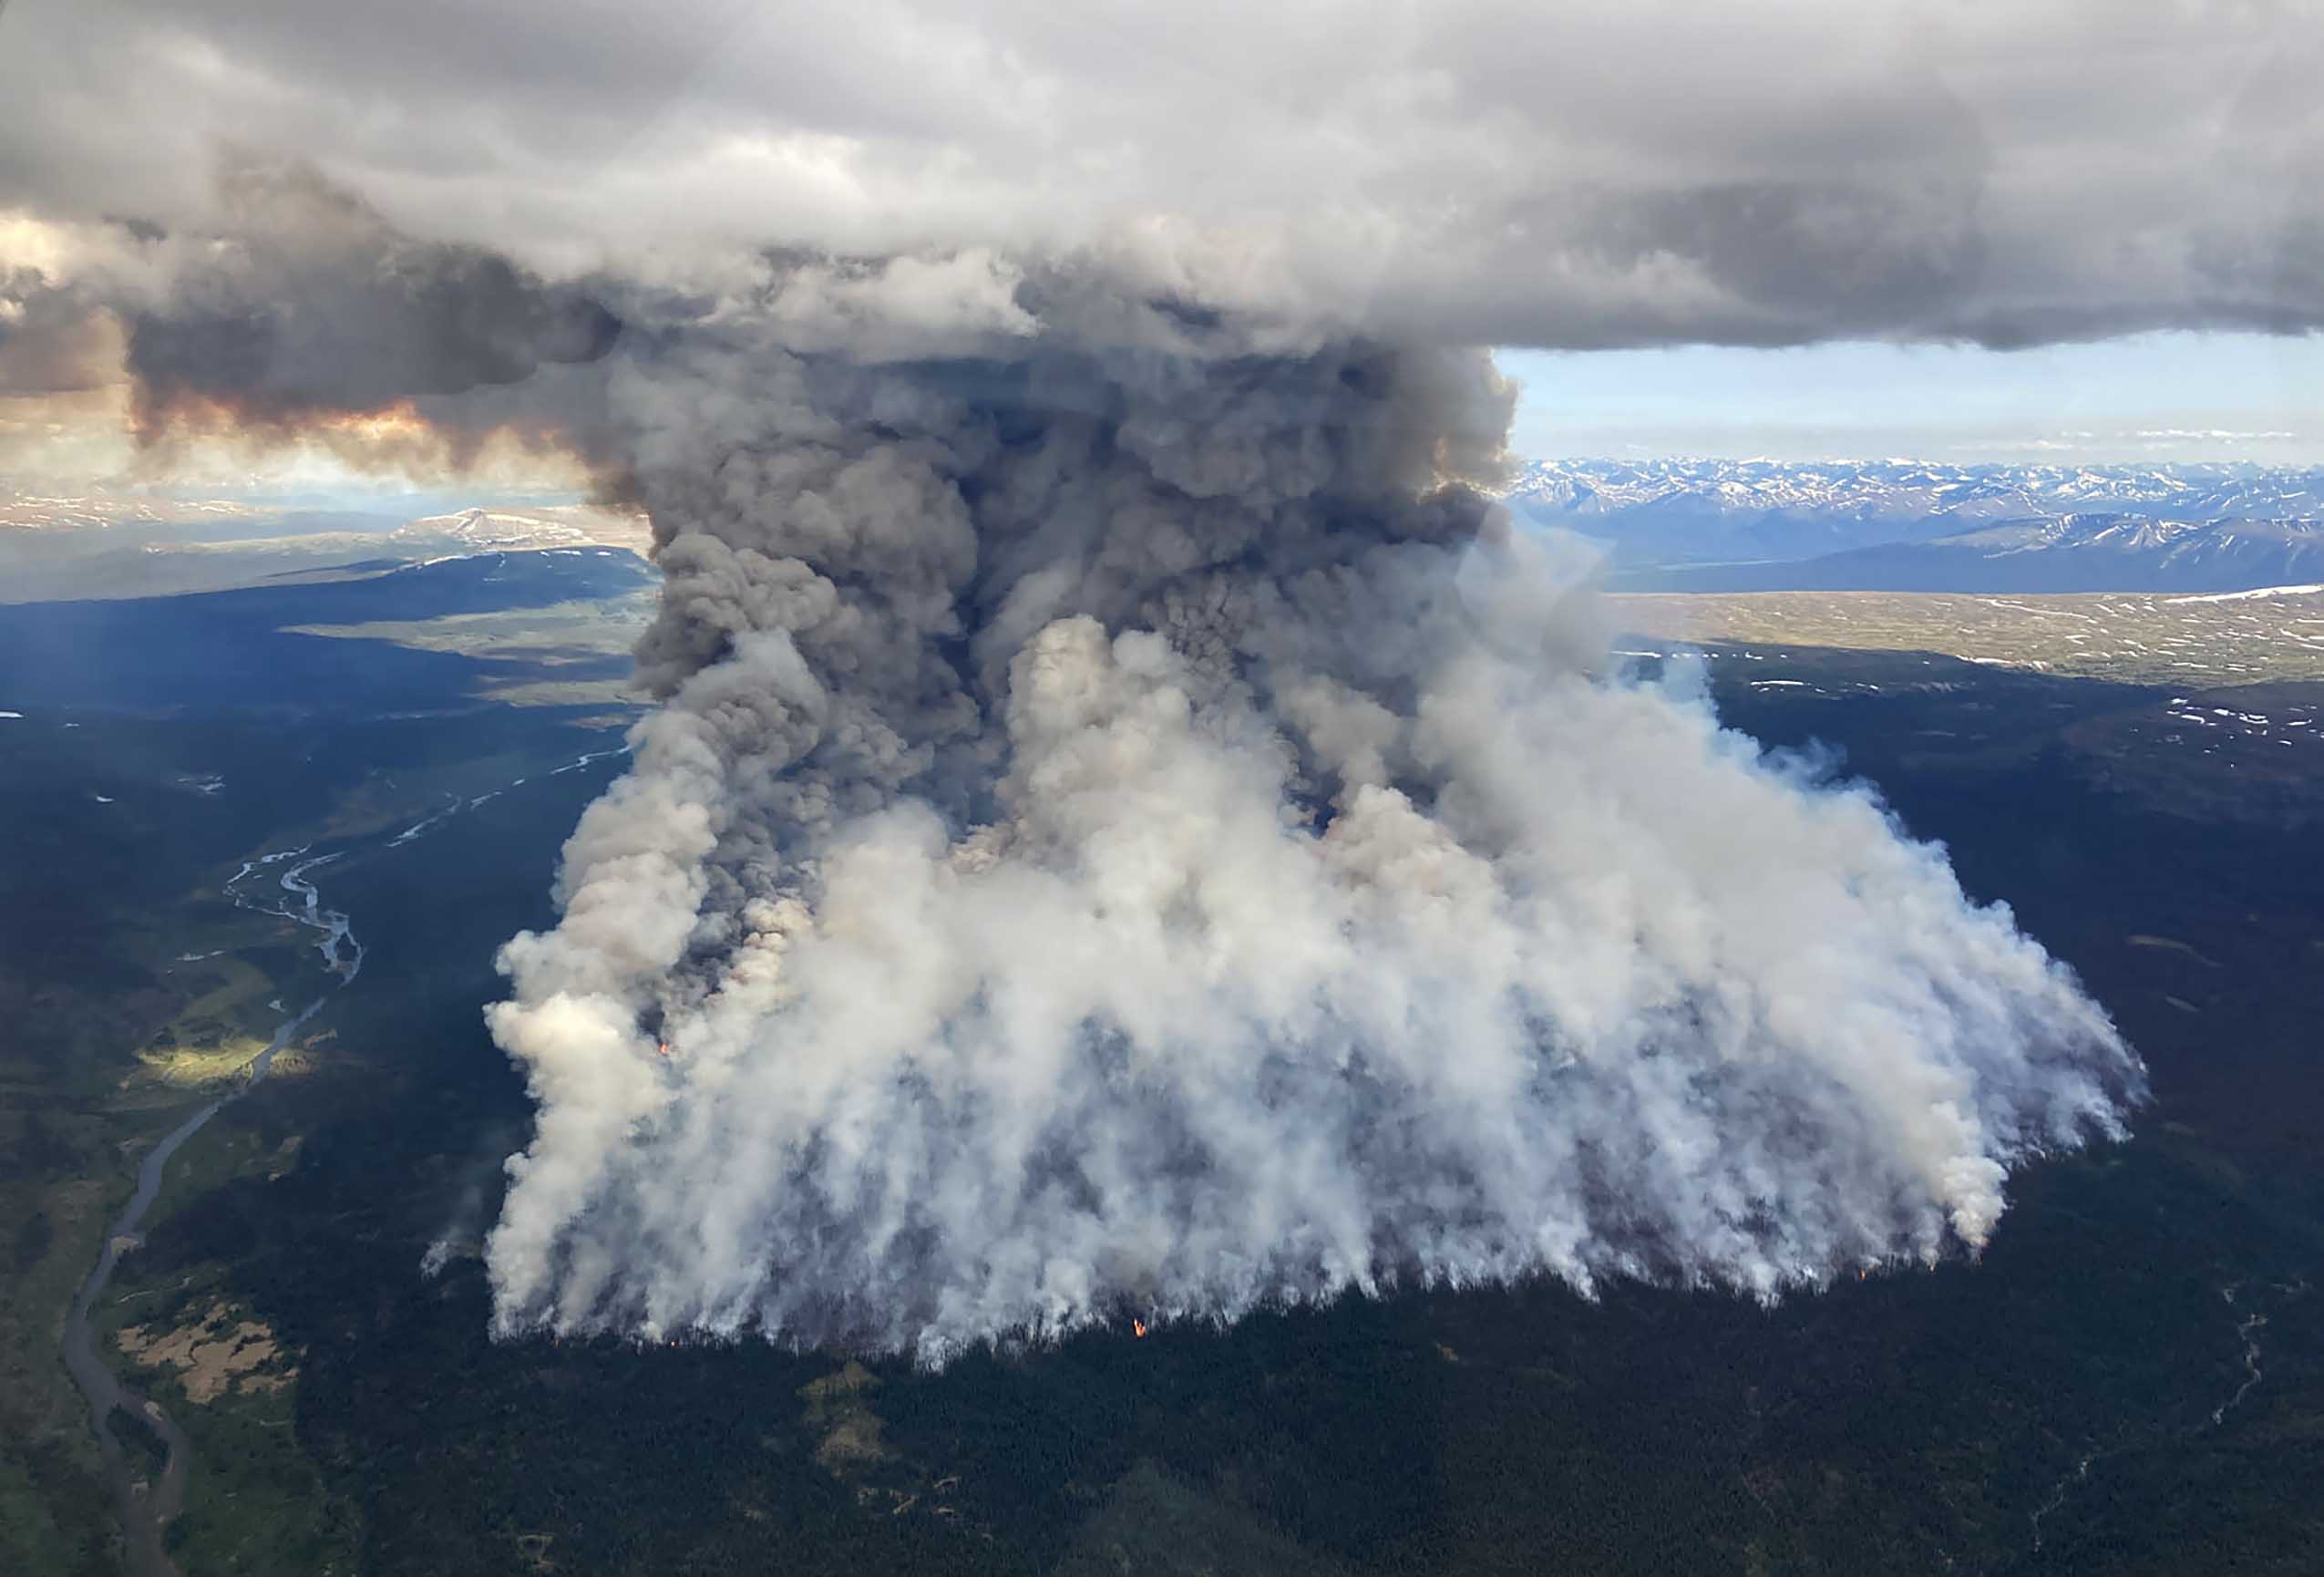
(148, 1505)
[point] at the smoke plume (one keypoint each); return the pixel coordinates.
(1128, 825)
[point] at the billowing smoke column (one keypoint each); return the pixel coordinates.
(1127, 827)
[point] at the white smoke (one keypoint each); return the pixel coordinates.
(1127, 829)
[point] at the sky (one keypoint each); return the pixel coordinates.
(2186, 397)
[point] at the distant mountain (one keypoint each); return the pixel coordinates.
(100, 508)
(545, 526)
(2073, 554)
(1911, 525)
(130, 544)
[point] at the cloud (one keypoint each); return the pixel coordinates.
(310, 305)
(53, 344)
(1484, 171)
(301, 318)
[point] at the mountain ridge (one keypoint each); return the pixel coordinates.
(1917, 525)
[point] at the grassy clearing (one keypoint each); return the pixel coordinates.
(567, 693)
(561, 632)
(217, 1352)
(532, 644)
(240, 999)
(2128, 638)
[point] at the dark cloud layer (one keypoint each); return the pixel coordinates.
(312, 305)
(53, 341)
(1618, 172)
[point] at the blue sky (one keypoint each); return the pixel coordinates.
(2182, 396)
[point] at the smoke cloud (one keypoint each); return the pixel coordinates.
(300, 316)
(1127, 824)
(316, 306)
(1130, 826)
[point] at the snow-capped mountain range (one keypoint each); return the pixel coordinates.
(1670, 524)
(1917, 525)
(545, 526)
(125, 543)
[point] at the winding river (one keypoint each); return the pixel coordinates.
(148, 1505)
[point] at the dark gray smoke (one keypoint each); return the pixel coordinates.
(305, 306)
(1127, 824)
(322, 308)
(52, 341)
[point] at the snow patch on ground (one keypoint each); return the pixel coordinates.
(2247, 596)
